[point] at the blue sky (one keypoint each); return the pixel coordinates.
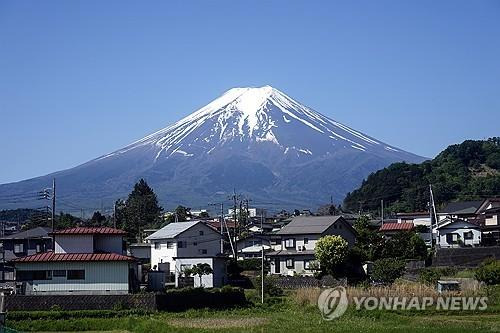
(79, 79)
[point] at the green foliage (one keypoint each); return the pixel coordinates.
(199, 269)
(388, 270)
(489, 272)
(196, 298)
(271, 288)
(331, 251)
(431, 275)
(369, 242)
(465, 171)
(181, 212)
(99, 220)
(140, 210)
(55, 313)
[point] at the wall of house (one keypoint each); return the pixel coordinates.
(74, 244)
(29, 247)
(297, 268)
(216, 279)
(108, 243)
(100, 277)
(460, 230)
(194, 244)
(491, 219)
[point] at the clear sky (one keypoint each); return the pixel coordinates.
(79, 79)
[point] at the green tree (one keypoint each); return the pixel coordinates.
(98, 220)
(489, 272)
(200, 270)
(141, 209)
(388, 270)
(182, 214)
(369, 242)
(331, 251)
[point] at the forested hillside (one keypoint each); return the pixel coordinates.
(466, 171)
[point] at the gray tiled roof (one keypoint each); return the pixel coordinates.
(171, 230)
(308, 225)
(462, 207)
(38, 232)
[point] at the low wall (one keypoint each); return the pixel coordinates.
(465, 256)
(80, 302)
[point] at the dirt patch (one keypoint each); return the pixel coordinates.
(209, 323)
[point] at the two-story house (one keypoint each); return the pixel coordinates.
(181, 245)
(298, 242)
(84, 261)
(21, 244)
(489, 217)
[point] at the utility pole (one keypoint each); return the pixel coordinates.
(262, 260)
(222, 222)
(382, 210)
(235, 225)
(114, 215)
(53, 211)
(432, 209)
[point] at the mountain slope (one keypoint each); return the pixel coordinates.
(257, 140)
(467, 171)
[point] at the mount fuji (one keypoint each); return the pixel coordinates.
(258, 141)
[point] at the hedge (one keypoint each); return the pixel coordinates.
(197, 298)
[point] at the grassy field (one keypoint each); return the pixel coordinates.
(279, 317)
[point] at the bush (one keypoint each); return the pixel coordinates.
(388, 270)
(270, 286)
(331, 252)
(489, 272)
(197, 298)
(431, 275)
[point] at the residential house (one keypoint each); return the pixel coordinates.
(463, 210)
(84, 261)
(489, 219)
(417, 218)
(251, 246)
(181, 245)
(452, 232)
(21, 244)
(298, 242)
(391, 228)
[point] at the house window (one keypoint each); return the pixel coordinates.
(39, 248)
(181, 244)
(289, 263)
(202, 251)
(59, 273)
(195, 243)
(76, 274)
(306, 240)
(33, 275)
(170, 245)
(201, 232)
(277, 266)
(290, 243)
(307, 264)
(19, 248)
(452, 238)
(157, 246)
(468, 235)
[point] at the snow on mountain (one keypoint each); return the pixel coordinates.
(257, 140)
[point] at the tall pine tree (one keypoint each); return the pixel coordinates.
(141, 210)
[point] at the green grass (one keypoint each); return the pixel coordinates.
(278, 317)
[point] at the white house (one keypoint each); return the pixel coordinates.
(298, 242)
(457, 233)
(85, 261)
(183, 244)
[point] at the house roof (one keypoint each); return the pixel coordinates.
(290, 253)
(172, 230)
(447, 222)
(54, 257)
(89, 231)
(38, 232)
(462, 207)
(309, 225)
(396, 227)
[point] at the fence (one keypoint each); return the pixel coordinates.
(297, 282)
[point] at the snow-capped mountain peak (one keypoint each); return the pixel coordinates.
(249, 117)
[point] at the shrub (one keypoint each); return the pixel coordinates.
(388, 270)
(196, 298)
(431, 275)
(270, 286)
(331, 251)
(489, 272)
